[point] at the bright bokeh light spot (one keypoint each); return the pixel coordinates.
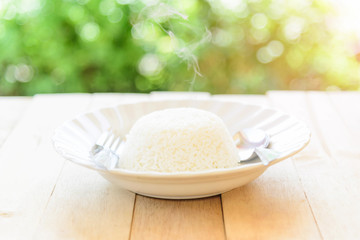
(276, 9)
(106, 7)
(186, 6)
(9, 73)
(150, 65)
(20, 73)
(264, 55)
(58, 75)
(259, 35)
(123, 2)
(293, 28)
(276, 48)
(90, 31)
(221, 37)
(150, 2)
(300, 4)
(23, 73)
(116, 15)
(136, 31)
(348, 17)
(259, 20)
(10, 12)
(234, 5)
(270, 52)
(9, 8)
(26, 6)
(145, 31)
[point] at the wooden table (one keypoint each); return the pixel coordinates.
(314, 195)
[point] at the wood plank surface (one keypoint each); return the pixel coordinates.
(328, 173)
(271, 207)
(11, 110)
(86, 206)
(29, 167)
(177, 219)
(314, 195)
(246, 98)
(83, 204)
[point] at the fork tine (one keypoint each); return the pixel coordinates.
(103, 138)
(115, 144)
(109, 141)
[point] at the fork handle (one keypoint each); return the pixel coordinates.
(266, 155)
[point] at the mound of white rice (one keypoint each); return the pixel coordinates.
(178, 139)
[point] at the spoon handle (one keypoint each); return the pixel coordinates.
(266, 155)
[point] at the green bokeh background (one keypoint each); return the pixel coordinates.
(57, 46)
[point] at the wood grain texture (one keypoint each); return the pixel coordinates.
(29, 167)
(328, 169)
(347, 114)
(246, 98)
(177, 219)
(101, 100)
(11, 110)
(272, 207)
(83, 204)
(315, 195)
(86, 206)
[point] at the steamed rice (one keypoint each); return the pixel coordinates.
(178, 139)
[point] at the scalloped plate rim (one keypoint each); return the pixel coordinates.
(151, 176)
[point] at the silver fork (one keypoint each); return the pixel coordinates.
(104, 152)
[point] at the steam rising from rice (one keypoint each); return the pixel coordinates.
(178, 139)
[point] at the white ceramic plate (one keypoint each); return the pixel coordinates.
(75, 138)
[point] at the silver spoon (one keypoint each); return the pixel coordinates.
(252, 142)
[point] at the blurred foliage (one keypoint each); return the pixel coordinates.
(220, 46)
